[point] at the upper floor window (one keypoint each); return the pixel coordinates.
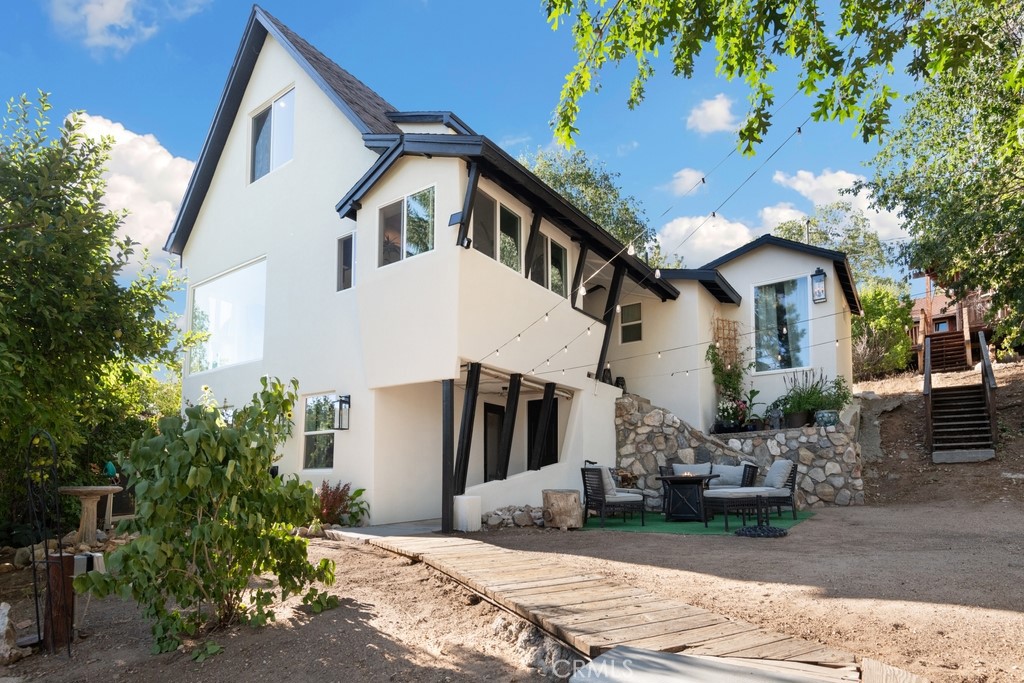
(230, 310)
(549, 266)
(407, 227)
(346, 260)
(273, 135)
(780, 325)
(497, 231)
(630, 323)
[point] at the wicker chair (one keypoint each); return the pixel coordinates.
(778, 489)
(604, 500)
(789, 499)
(664, 471)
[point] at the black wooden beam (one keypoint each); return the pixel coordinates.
(577, 277)
(466, 428)
(609, 315)
(508, 424)
(541, 437)
(467, 205)
(533, 242)
(447, 455)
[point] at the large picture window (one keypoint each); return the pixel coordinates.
(781, 326)
(273, 136)
(407, 227)
(230, 311)
(318, 446)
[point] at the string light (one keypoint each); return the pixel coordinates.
(548, 361)
(657, 273)
(519, 337)
(631, 251)
(618, 308)
(582, 290)
(565, 349)
(545, 317)
(659, 354)
(497, 352)
(588, 331)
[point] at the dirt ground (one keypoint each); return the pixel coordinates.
(929, 577)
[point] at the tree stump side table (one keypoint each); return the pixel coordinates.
(562, 509)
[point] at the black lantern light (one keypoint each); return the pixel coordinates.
(341, 412)
(818, 293)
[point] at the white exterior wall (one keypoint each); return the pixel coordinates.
(770, 264)
(311, 331)
(681, 331)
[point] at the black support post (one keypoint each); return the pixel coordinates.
(467, 205)
(466, 428)
(533, 242)
(577, 277)
(609, 315)
(508, 424)
(541, 437)
(447, 455)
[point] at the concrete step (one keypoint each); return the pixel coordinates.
(941, 457)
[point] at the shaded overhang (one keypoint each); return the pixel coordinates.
(516, 179)
(712, 280)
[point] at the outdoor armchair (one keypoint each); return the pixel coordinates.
(602, 497)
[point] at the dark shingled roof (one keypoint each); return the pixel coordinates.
(371, 108)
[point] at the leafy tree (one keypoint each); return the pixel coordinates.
(844, 52)
(210, 517)
(69, 330)
(881, 344)
(959, 190)
(840, 227)
(594, 190)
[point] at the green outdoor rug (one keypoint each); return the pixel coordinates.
(655, 524)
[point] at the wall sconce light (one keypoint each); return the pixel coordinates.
(341, 412)
(818, 293)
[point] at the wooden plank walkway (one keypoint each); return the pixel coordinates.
(593, 614)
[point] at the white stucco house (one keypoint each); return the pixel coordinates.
(447, 315)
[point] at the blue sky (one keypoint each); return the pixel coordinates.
(151, 72)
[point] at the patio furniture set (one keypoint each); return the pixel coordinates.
(698, 492)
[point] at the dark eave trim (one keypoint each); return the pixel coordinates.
(838, 259)
(444, 117)
(508, 172)
(349, 204)
(712, 280)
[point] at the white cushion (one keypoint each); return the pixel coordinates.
(623, 497)
(729, 475)
(679, 469)
(606, 478)
(778, 473)
(748, 492)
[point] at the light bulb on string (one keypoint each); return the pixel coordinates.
(618, 308)
(630, 250)
(497, 352)
(548, 361)
(588, 331)
(583, 290)
(565, 349)
(687, 373)
(785, 330)
(837, 343)
(657, 273)
(659, 354)
(545, 317)
(519, 337)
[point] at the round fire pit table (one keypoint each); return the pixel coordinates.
(90, 497)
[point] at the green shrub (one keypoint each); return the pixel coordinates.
(210, 517)
(339, 504)
(811, 391)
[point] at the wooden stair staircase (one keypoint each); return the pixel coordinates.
(949, 353)
(960, 419)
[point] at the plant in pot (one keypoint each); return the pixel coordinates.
(733, 406)
(805, 392)
(836, 396)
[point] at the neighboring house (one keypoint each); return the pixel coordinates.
(936, 313)
(405, 269)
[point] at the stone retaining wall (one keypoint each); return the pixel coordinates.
(827, 458)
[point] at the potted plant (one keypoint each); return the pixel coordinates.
(810, 391)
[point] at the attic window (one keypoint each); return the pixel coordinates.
(273, 134)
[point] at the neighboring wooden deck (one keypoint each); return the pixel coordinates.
(594, 614)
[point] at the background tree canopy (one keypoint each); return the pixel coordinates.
(959, 191)
(73, 338)
(845, 51)
(594, 190)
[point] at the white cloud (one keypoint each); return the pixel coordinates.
(117, 25)
(716, 237)
(510, 141)
(713, 116)
(626, 148)
(824, 188)
(778, 213)
(144, 178)
(686, 181)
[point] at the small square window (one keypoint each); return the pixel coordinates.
(631, 326)
(318, 441)
(407, 227)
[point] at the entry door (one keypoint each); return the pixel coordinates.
(494, 415)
